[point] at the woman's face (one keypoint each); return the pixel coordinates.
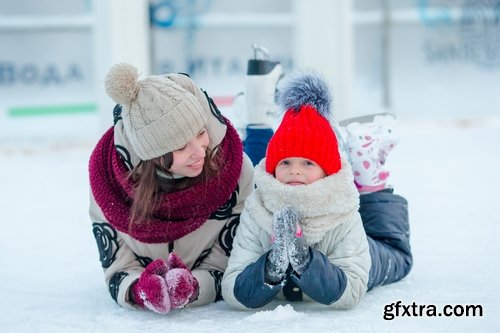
(189, 160)
(298, 171)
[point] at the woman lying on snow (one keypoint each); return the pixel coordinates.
(168, 182)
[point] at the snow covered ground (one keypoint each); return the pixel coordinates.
(51, 279)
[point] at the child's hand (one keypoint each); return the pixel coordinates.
(277, 260)
(297, 249)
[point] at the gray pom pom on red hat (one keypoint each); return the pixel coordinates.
(305, 88)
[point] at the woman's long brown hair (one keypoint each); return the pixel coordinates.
(148, 185)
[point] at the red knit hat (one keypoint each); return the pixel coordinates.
(305, 130)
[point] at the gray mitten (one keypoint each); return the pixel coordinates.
(297, 249)
(277, 260)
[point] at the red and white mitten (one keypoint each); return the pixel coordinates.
(181, 284)
(151, 291)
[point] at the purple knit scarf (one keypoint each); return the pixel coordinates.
(179, 213)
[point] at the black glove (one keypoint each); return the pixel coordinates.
(277, 260)
(297, 249)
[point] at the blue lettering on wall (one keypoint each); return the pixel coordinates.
(166, 66)
(52, 76)
(478, 28)
(197, 66)
(215, 66)
(74, 73)
(204, 66)
(7, 73)
(480, 31)
(30, 74)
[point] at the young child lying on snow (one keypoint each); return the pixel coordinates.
(301, 234)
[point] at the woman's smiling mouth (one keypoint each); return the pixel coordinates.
(197, 164)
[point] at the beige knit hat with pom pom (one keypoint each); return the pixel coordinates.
(159, 115)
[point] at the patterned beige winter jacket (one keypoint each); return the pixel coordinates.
(205, 250)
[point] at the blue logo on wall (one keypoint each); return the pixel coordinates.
(164, 13)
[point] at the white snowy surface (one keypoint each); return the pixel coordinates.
(449, 170)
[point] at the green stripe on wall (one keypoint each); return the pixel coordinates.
(51, 110)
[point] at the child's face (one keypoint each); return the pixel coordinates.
(298, 171)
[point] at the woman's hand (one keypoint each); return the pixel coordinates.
(165, 285)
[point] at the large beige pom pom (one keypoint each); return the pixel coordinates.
(121, 83)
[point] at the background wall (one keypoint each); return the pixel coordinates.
(416, 58)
